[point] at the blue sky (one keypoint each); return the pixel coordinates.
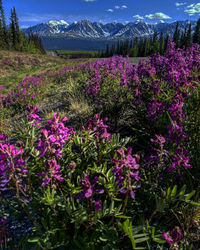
(31, 12)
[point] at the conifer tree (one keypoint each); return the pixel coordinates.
(183, 38)
(161, 44)
(107, 53)
(126, 47)
(131, 44)
(38, 44)
(196, 35)
(188, 39)
(12, 31)
(145, 48)
(121, 48)
(118, 48)
(3, 24)
(2, 40)
(166, 42)
(16, 24)
(176, 36)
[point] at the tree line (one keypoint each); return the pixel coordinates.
(157, 43)
(12, 38)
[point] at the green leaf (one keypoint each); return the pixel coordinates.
(157, 240)
(188, 196)
(36, 239)
(139, 248)
(182, 191)
(112, 206)
(137, 229)
(117, 199)
(142, 239)
(103, 239)
(153, 232)
(123, 217)
(168, 193)
(141, 235)
(173, 193)
(194, 203)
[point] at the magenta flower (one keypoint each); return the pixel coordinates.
(11, 164)
(126, 170)
(32, 109)
(89, 189)
(52, 173)
(98, 205)
(54, 136)
(175, 235)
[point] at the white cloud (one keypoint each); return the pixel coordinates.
(193, 9)
(110, 10)
(158, 15)
(190, 6)
(138, 17)
(117, 7)
(124, 7)
(179, 4)
(89, 0)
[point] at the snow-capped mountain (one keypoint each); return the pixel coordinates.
(97, 30)
(52, 27)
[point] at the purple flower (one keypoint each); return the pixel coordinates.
(54, 137)
(126, 170)
(98, 205)
(89, 189)
(52, 173)
(32, 109)
(11, 164)
(175, 235)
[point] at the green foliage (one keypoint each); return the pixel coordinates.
(196, 35)
(155, 44)
(163, 199)
(68, 54)
(14, 39)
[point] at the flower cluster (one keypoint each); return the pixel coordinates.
(24, 93)
(32, 116)
(101, 130)
(162, 85)
(51, 173)
(115, 69)
(126, 170)
(54, 137)
(89, 190)
(12, 165)
(175, 235)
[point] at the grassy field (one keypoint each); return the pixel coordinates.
(15, 66)
(68, 54)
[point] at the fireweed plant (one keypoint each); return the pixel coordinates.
(78, 178)
(90, 188)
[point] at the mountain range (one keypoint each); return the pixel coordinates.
(61, 35)
(88, 29)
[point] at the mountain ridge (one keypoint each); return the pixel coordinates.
(97, 30)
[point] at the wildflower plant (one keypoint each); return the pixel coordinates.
(90, 187)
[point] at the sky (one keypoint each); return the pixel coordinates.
(32, 12)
